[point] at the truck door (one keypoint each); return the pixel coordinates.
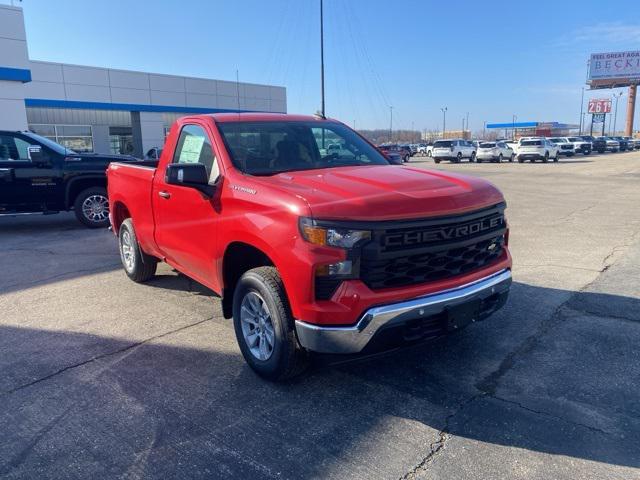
(26, 184)
(186, 219)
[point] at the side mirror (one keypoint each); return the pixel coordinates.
(192, 175)
(38, 157)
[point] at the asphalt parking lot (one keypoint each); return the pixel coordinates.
(102, 377)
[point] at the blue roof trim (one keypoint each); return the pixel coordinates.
(512, 124)
(15, 74)
(132, 107)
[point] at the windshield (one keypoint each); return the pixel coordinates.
(56, 147)
(442, 144)
(487, 145)
(575, 139)
(531, 143)
(268, 148)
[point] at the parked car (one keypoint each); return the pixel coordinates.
(598, 144)
(634, 143)
(494, 152)
(453, 150)
(580, 145)
(403, 152)
(611, 144)
(566, 147)
(425, 149)
(540, 148)
(309, 253)
(623, 142)
(40, 175)
(513, 145)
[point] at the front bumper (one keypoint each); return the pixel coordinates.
(488, 293)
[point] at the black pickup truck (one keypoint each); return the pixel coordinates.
(39, 175)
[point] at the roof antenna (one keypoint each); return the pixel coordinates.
(321, 113)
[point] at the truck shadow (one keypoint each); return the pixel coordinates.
(534, 377)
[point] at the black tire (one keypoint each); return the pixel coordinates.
(287, 359)
(405, 159)
(500, 158)
(478, 160)
(139, 267)
(437, 160)
(459, 157)
(473, 157)
(546, 157)
(90, 217)
(512, 157)
(520, 160)
(428, 153)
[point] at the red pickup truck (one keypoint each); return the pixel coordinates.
(312, 249)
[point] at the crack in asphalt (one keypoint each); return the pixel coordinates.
(103, 355)
(550, 415)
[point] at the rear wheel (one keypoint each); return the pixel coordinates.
(500, 158)
(459, 157)
(473, 157)
(521, 160)
(264, 326)
(437, 160)
(512, 157)
(139, 266)
(557, 157)
(546, 157)
(91, 207)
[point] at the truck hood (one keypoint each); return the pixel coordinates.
(385, 192)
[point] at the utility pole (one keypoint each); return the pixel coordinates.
(444, 120)
(631, 110)
(615, 114)
(484, 130)
(467, 121)
(581, 107)
(513, 126)
(390, 123)
(322, 110)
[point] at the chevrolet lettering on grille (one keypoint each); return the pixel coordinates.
(453, 232)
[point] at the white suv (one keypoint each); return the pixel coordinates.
(540, 148)
(454, 150)
(566, 147)
(494, 152)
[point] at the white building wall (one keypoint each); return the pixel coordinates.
(13, 55)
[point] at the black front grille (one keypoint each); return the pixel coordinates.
(420, 252)
(326, 286)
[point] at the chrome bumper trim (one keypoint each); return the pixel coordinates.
(354, 338)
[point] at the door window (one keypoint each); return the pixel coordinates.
(14, 149)
(194, 146)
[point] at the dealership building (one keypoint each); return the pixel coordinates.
(105, 110)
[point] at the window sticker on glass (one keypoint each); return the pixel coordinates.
(191, 149)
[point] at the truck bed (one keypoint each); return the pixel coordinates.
(133, 182)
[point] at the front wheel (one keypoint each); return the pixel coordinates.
(437, 160)
(91, 207)
(264, 326)
(459, 157)
(512, 157)
(473, 157)
(500, 157)
(546, 157)
(557, 157)
(138, 266)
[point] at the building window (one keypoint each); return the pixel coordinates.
(121, 140)
(76, 137)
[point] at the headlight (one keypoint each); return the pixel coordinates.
(331, 236)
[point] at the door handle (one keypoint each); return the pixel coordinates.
(164, 194)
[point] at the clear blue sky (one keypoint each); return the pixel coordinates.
(490, 58)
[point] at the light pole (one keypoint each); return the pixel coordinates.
(484, 130)
(513, 126)
(615, 112)
(390, 124)
(467, 124)
(444, 120)
(581, 106)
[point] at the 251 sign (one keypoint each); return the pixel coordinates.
(599, 105)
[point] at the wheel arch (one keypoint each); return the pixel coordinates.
(78, 184)
(238, 258)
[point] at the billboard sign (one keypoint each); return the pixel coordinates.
(598, 117)
(599, 105)
(617, 68)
